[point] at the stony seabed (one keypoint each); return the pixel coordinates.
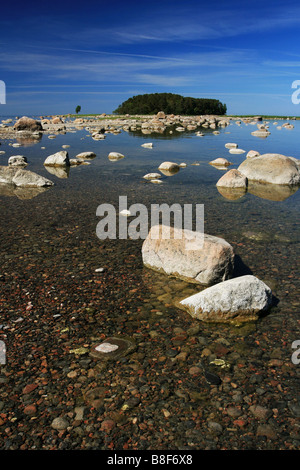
(173, 382)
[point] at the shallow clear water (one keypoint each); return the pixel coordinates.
(49, 252)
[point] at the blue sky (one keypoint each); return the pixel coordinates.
(96, 54)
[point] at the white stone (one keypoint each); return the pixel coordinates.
(252, 154)
(58, 159)
(156, 181)
(236, 151)
(115, 156)
(106, 347)
(220, 162)
(84, 155)
(261, 133)
(241, 298)
(169, 166)
(125, 212)
(230, 145)
(147, 145)
(151, 176)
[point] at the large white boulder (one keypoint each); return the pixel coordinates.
(242, 298)
(58, 159)
(22, 178)
(271, 168)
(29, 179)
(188, 255)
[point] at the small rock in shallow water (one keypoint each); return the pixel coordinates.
(151, 176)
(212, 379)
(59, 424)
(125, 212)
(147, 145)
(106, 347)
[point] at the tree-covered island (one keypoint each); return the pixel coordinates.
(170, 103)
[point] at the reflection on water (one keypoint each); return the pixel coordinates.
(28, 140)
(59, 172)
(272, 192)
(231, 193)
(21, 193)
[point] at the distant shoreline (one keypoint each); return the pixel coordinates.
(116, 116)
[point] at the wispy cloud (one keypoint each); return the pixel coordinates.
(184, 24)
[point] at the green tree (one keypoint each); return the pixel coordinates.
(78, 109)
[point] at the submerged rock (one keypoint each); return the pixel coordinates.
(191, 256)
(113, 348)
(263, 133)
(242, 298)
